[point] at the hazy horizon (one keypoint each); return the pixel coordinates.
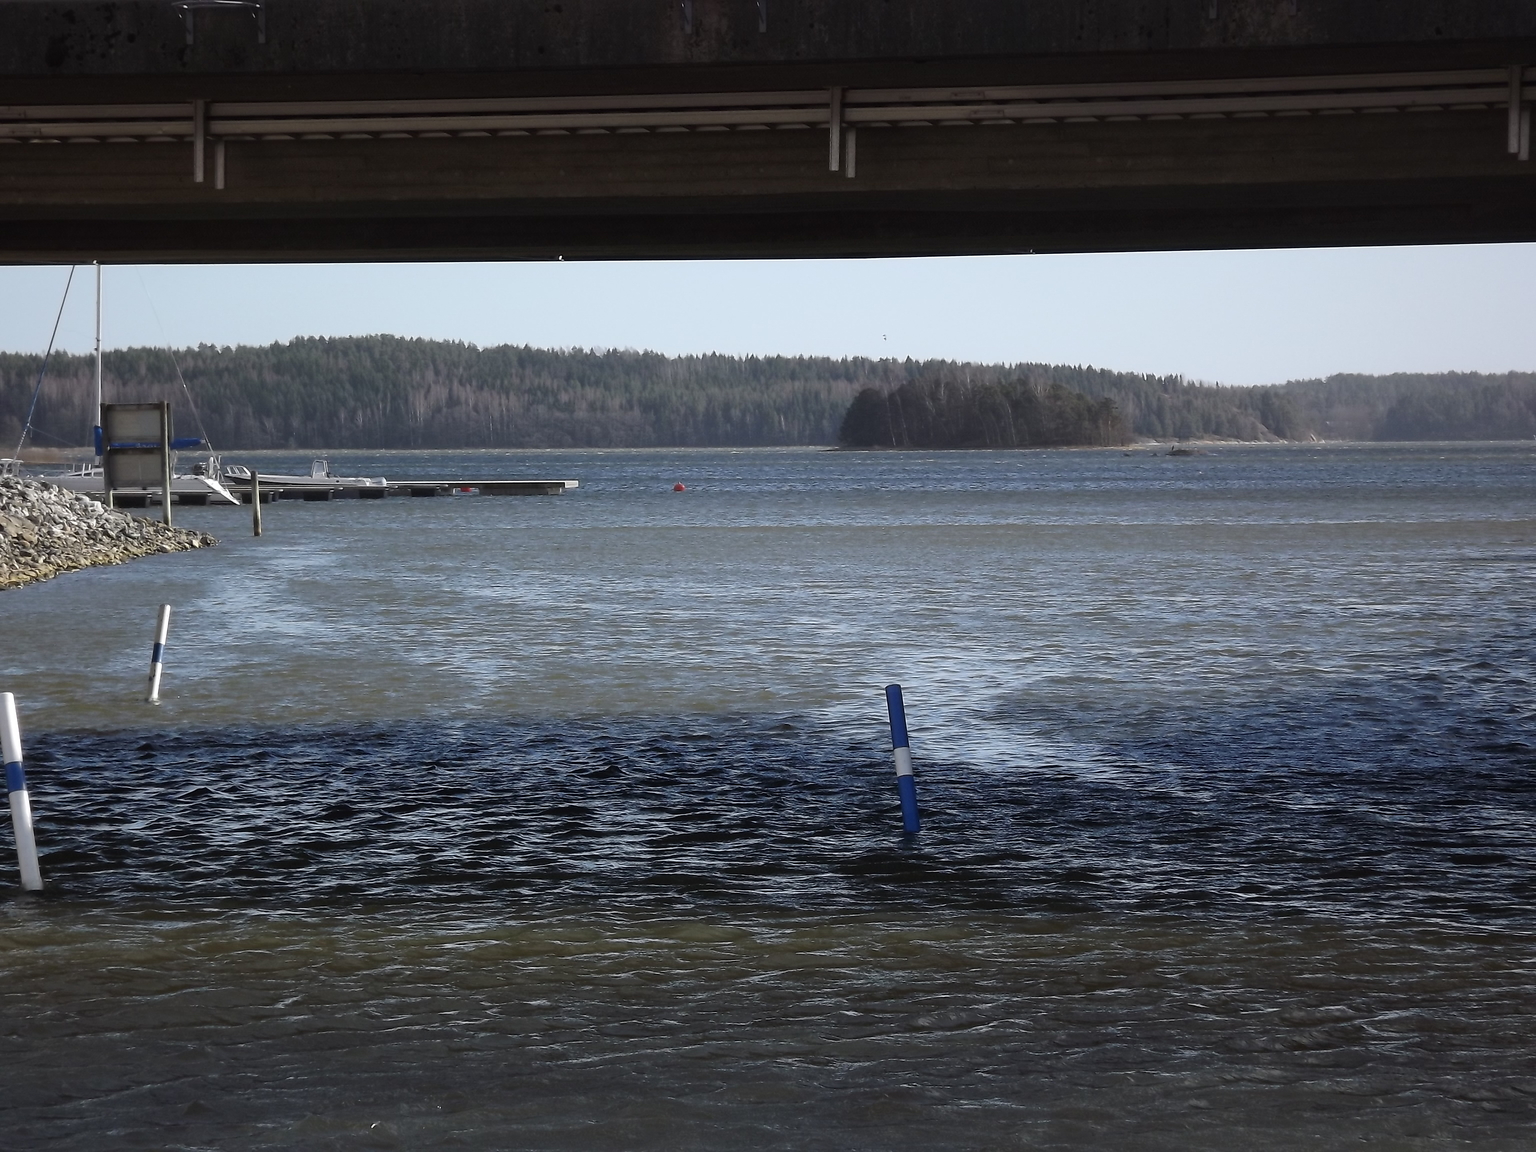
(1233, 317)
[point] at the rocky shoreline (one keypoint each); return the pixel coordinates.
(46, 531)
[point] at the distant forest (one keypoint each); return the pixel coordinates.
(950, 410)
(390, 392)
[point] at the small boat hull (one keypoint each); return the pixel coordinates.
(320, 484)
(189, 490)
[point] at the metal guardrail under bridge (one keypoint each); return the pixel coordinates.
(840, 112)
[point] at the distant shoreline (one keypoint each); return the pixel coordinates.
(389, 393)
(1148, 445)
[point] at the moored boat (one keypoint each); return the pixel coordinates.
(320, 484)
(202, 485)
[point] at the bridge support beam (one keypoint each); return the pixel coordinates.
(523, 131)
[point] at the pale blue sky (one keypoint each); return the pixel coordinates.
(1235, 317)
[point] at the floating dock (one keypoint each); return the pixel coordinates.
(483, 487)
(341, 490)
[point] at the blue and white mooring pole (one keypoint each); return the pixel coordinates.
(16, 787)
(906, 784)
(157, 656)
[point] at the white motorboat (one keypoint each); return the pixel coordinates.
(202, 485)
(320, 484)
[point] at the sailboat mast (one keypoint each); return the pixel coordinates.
(97, 416)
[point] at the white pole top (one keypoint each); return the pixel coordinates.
(10, 730)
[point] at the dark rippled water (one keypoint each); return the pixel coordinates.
(570, 823)
(1402, 818)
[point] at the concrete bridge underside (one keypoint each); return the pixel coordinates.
(408, 129)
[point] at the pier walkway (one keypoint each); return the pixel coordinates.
(426, 487)
(357, 491)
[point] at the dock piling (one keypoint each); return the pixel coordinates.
(255, 503)
(157, 654)
(906, 784)
(16, 788)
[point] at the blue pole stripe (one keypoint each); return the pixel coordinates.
(906, 787)
(158, 655)
(15, 778)
(898, 713)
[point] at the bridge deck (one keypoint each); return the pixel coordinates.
(402, 129)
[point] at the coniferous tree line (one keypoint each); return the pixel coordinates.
(389, 392)
(1418, 406)
(953, 410)
(392, 392)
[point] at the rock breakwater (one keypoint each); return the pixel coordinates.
(45, 530)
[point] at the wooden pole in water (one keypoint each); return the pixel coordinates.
(255, 502)
(165, 460)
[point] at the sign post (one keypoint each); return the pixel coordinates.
(165, 462)
(136, 450)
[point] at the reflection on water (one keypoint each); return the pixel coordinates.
(568, 823)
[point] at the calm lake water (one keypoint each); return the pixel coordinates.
(569, 823)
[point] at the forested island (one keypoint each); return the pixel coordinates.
(392, 392)
(944, 411)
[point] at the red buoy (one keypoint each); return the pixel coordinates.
(679, 487)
